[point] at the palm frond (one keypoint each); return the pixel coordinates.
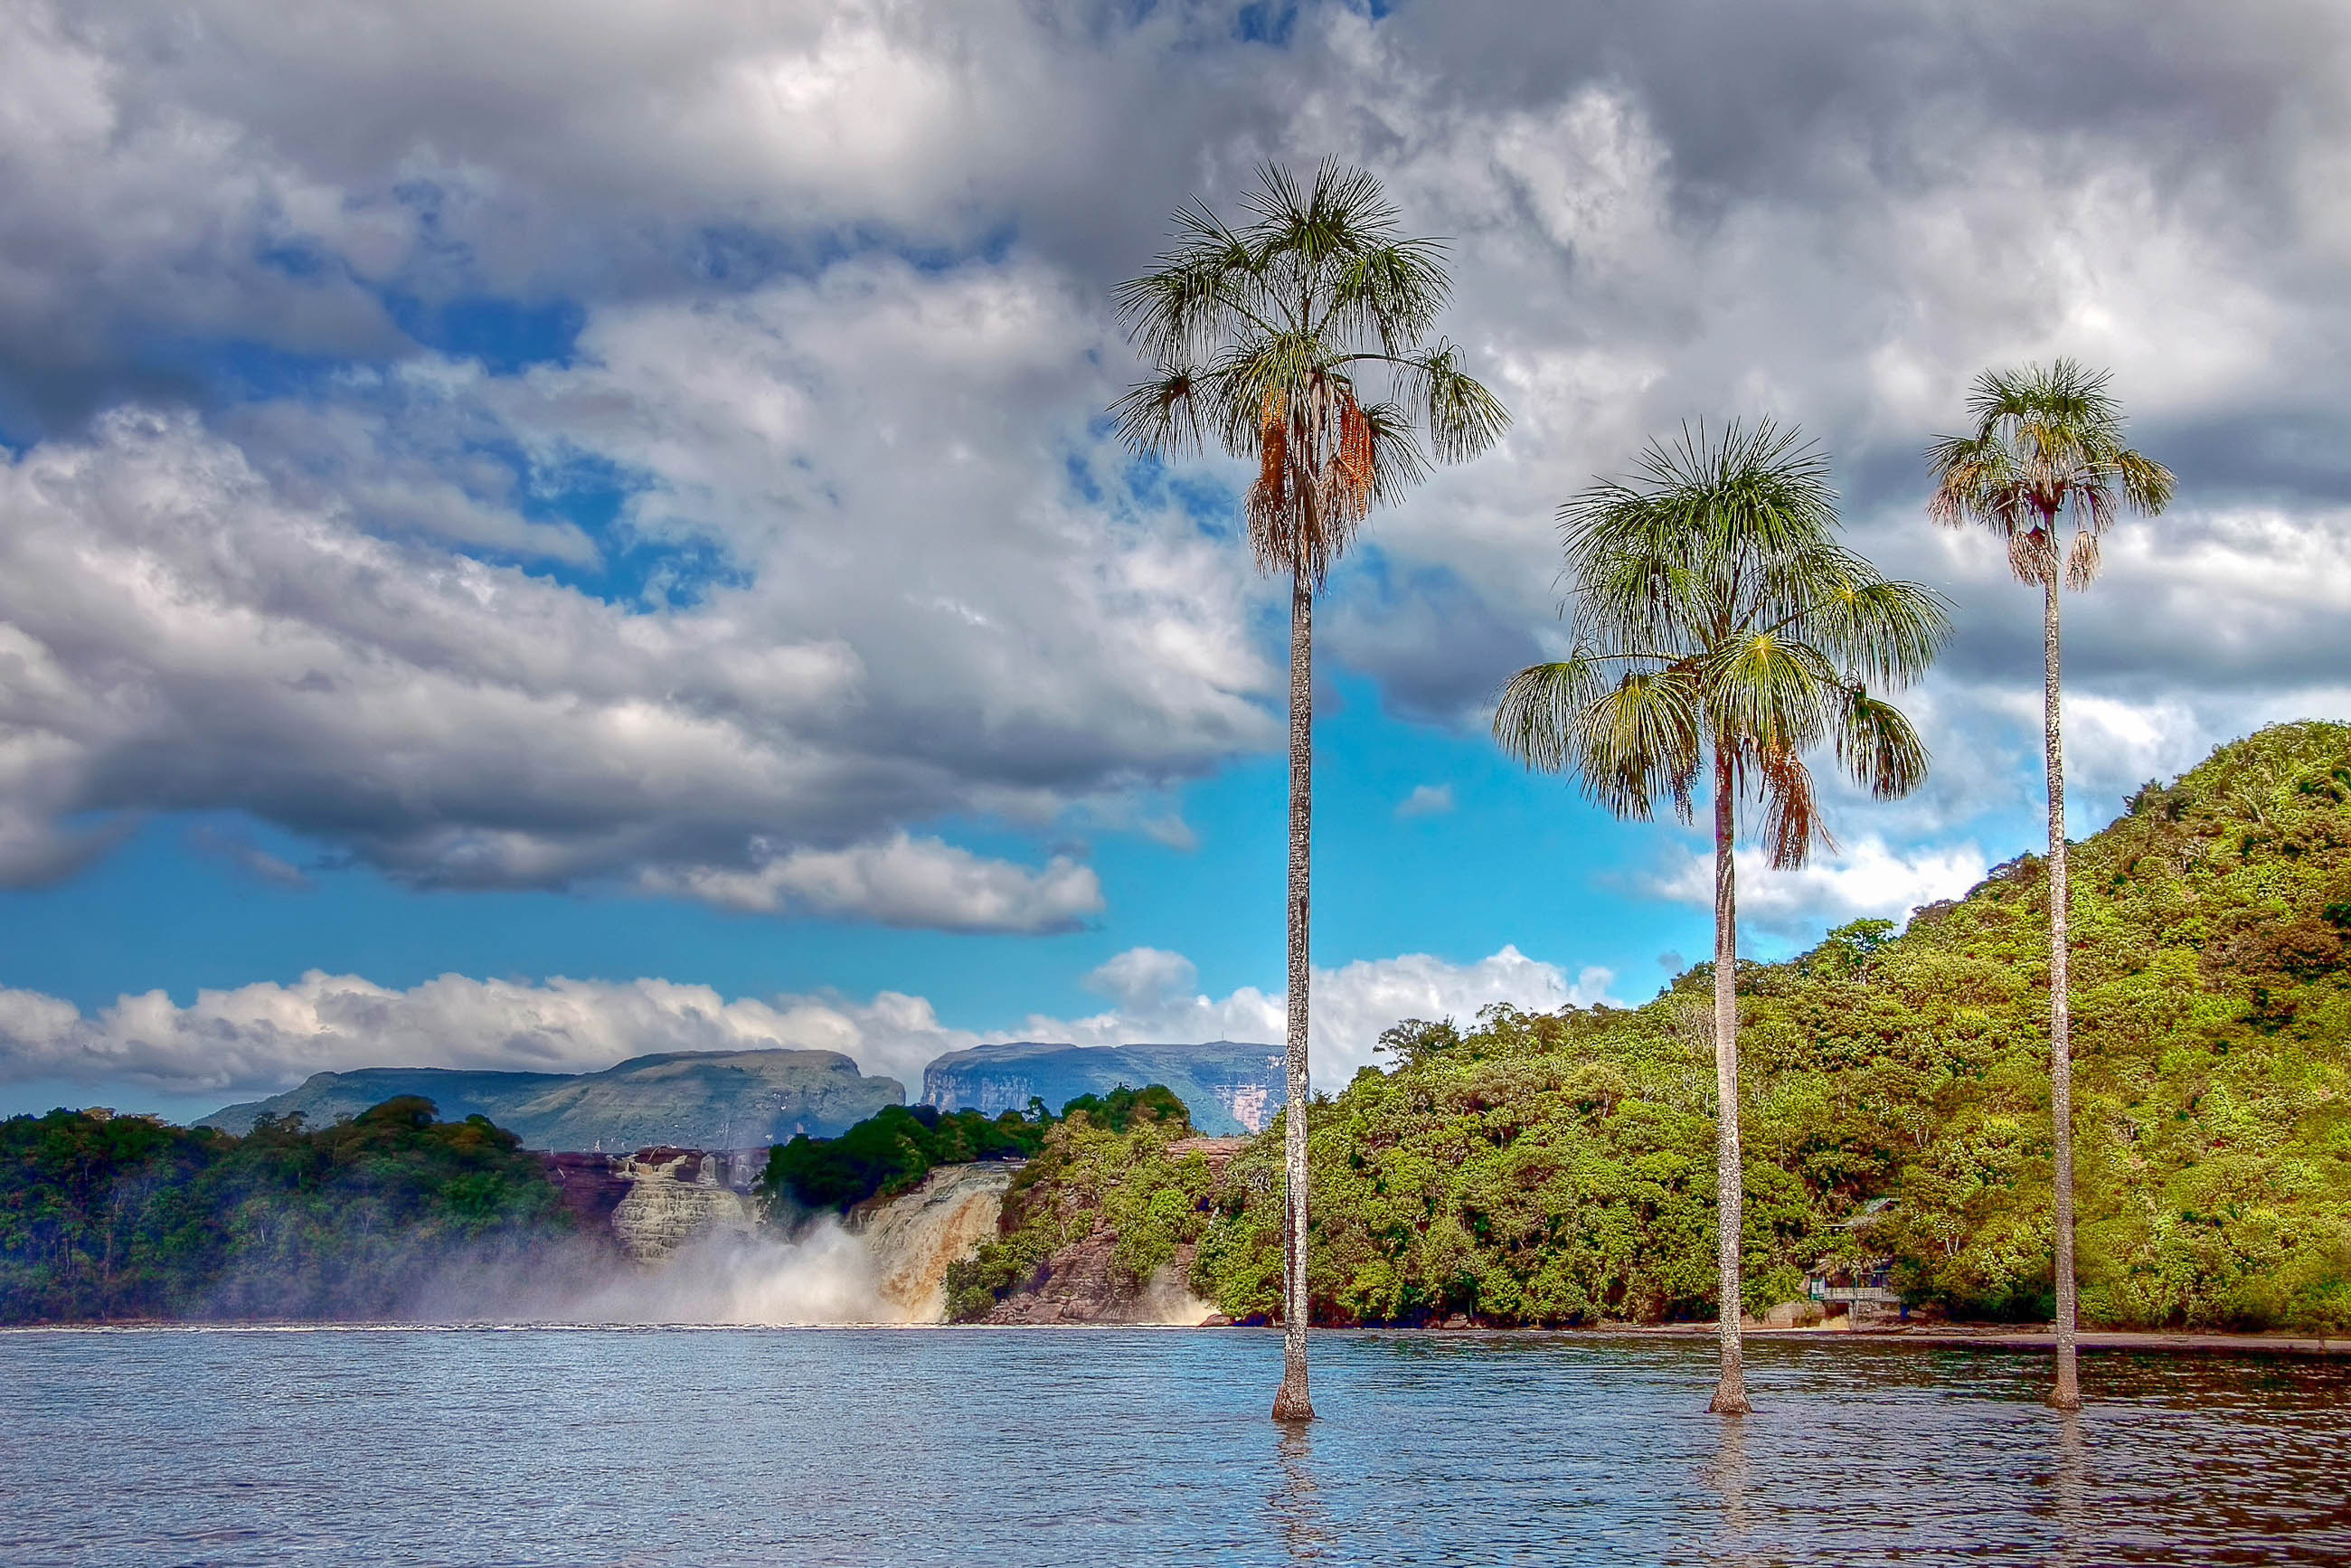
(1635, 572)
(1162, 417)
(1397, 462)
(2147, 484)
(1767, 495)
(2081, 560)
(1534, 721)
(1883, 631)
(1391, 293)
(1631, 743)
(1768, 690)
(1877, 747)
(1194, 293)
(1464, 419)
(1322, 228)
(1642, 741)
(1976, 480)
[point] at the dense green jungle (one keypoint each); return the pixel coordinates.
(125, 1216)
(1560, 1168)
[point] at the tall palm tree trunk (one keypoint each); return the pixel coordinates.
(2067, 1395)
(1730, 1393)
(1291, 1403)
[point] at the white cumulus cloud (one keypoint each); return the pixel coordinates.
(263, 1037)
(1350, 1004)
(901, 881)
(1865, 878)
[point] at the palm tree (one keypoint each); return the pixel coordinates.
(2048, 445)
(1720, 627)
(1260, 337)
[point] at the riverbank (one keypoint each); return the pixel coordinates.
(1959, 1336)
(1944, 1336)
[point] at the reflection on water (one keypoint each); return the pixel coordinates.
(2070, 1488)
(1297, 1511)
(1729, 1474)
(1083, 1447)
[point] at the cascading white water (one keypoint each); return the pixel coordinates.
(912, 1238)
(700, 1255)
(676, 1201)
(889, 1266)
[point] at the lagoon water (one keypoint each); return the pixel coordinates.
(667, 1445)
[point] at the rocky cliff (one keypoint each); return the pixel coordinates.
(1229, 1086)
(674, 1196)
(710, 1100)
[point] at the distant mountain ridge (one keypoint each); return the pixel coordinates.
(699, 1099)
(1229, 1086)
(750, 1099)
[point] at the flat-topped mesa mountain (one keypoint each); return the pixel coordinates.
(1229, 1086)
(694, 1099)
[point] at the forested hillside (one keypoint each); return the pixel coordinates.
(892, 1151)
(1560, 1168)
(123, 1217)
(1107, 1167)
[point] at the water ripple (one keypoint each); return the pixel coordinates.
(668, 1446)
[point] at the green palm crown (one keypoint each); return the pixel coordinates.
(1712, 606)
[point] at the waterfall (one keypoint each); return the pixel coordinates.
(698, 1254)
(913, 1237)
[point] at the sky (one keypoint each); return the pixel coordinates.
(531, 534)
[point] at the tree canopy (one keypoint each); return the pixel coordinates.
(112, 1217)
